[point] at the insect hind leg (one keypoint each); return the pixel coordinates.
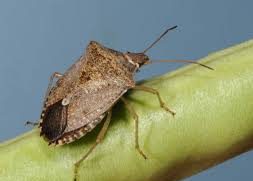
(31, 123)
(100, 137)
(155, 92)
(52, 77)
(135, 116)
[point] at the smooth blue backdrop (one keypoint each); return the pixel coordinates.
(40, 37)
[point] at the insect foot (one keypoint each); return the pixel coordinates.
(31, 123)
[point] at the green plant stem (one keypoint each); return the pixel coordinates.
(213, 122)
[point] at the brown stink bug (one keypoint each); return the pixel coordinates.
(83, 96)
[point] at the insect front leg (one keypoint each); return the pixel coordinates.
(135, 116)
(155, 92)
(98, 140)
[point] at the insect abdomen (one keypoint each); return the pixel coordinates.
(71, 136)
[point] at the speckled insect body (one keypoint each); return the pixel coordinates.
(83, 96)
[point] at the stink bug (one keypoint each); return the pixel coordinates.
(85, 94)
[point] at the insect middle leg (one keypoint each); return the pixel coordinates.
(98, 140)
(135, 116)
(155, 92)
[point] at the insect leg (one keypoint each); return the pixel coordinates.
(98, 140)
(154, 91)
(135, 116)
(51, 80)
(31, 123)
(54, 75)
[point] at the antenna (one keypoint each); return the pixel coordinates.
(159, 38)
(184, 61)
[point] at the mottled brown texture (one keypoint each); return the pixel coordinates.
(89, 88)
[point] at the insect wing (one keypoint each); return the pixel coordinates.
(90, 102)
(54, 121)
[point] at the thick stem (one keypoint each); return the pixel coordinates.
(213, 123)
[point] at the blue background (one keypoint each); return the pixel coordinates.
(40, 37)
